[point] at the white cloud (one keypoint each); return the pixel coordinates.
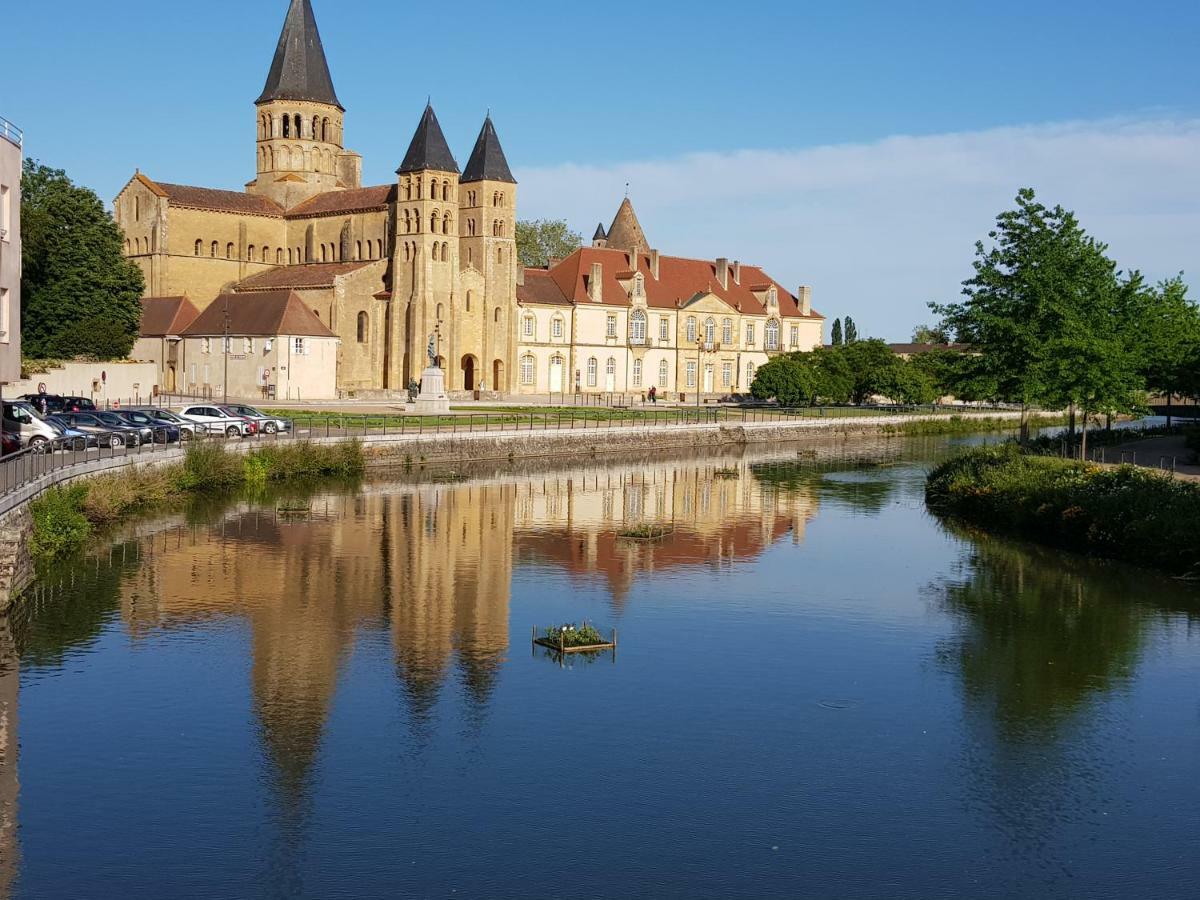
(879, 229)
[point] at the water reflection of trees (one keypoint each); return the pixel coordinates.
(851, 485)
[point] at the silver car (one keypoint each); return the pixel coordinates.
(212, 419)
(266, 424)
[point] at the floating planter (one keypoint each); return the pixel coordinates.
(293, 509)
(647, 532)
(572, 638)
(726, 473)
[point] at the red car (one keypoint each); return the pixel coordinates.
(10, 442)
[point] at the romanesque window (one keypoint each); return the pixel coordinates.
(287, 126)
(727, 331)
(710, 331)
(137, 209)
(637, 373)
(358, 250)
(468, 301)
(496, 198)
(691, 330)
(379, 244)
(316, 127)
(289, 256)
(433, 191)
(362, 327)
(324, 253)
(433, 217)
(279, 256)
(325, 129)
(446, 223)
(445, 191)
(772, 335)
(407, 222)
(407, 257)
(266, 254)
(499, 256)
(663, 372)
(229, 251)
(496, 316)
(439, 312)
(299, 256)
(528, 369)
(591, 371)
(435, 251)
(250, 254)
(298, 129)
(637, 327)
(212, 250)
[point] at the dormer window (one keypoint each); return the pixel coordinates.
(772, 297)
(639, 285)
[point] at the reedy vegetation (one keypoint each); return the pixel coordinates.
(1123, 513)
(65, 517)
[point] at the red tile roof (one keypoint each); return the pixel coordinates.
(162, 316)
(212, 199)
(539, 287)
(263, 314)
(317, 275)
(679, 281)
(364, 199)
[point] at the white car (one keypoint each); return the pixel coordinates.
(215, 420)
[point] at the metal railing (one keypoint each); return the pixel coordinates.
(11, 132)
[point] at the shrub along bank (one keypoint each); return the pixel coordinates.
(65, 517)
(1124, 513)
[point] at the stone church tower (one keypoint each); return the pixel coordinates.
(299, 120)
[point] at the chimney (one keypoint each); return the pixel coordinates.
(595, 289)
(723, 272)
(737, 272)
(633, 260)
(654, 264)
(804, 296)
(520, 275)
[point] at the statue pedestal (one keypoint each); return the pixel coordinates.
(432, 400)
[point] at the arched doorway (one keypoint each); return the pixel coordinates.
(498, 376)
(468, 373)
(171, 379)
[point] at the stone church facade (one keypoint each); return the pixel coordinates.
(433, 254)
(383, 267)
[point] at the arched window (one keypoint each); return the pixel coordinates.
(727, 331)
(496, 198)
(468, 301)
(499, 256)
(496, 316)
(433, 220)
(433, 191)
(379, 244)
(299, 256)
(324, 253)
(528, 369)
(446, 223)
(407, 222)
(610, 368)
(287, 126)
(289, 256)
(199, 246)
(591, 372)
(772, 335)
(279, 256)
(298, 134)
(528, 327)
(358, 250)
(362, 327)
(637, 327)
(212, 250)
(229, 251)
(250, 254)
(710, 331)
(266, 254)
(663, 372)
(445, 191)
(325, 129)
(691, 330)
(407, 255)
(439, 312)
(445, 251)
(316, 127)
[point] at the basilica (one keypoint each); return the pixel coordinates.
(308, 284)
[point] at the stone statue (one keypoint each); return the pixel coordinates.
(431, 351)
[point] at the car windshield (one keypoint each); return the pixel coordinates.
(139, 418)
(112, 419)
(163, 416)
(249, 411)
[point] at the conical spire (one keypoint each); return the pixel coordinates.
(601, 234)
(300, 70)
(487, 162)
(428, 150)
(626, 232)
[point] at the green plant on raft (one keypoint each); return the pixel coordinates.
(572, 635)
(59, 525)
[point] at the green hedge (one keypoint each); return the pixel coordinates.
(1125, 513)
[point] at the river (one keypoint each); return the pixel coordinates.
(819, 691)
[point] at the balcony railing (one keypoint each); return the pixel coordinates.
(11, 132)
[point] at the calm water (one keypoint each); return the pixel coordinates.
(820, 691)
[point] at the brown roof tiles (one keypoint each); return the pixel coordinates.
(265, 314)
(365, 199)
(318, 275)
(162, 316)
(213, 199)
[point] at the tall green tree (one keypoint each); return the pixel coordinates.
(835, 336)
(851, 331)
(79, 296)
(541, 240)
(1052, 319)
(1169, 340)
(930, 334)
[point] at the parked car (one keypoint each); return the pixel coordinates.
(107, 434)
(216, 420)
(10, 442)
(266, 424)
(73, 438)
(31, 429)
(78, 404)
(160, 432)
(46, 404)
(187, 428)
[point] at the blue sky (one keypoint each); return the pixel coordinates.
(881, 138)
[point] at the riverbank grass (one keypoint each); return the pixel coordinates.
(1121, 513)
(64, 518)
